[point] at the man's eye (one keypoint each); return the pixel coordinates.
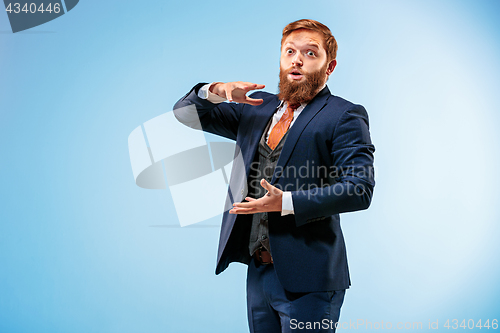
(289, 51)
(311, 53)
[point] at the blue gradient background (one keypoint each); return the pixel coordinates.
(80, 246)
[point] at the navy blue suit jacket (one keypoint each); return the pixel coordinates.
(327, 164)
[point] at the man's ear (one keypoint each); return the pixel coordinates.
(331, 67)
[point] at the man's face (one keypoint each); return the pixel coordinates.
(304, 68)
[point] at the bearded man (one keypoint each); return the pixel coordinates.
(307, 158)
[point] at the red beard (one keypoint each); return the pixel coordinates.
(300, 92)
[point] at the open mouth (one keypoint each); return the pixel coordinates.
(295, 74)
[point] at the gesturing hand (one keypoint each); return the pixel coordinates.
(237, 91)
(270, 202)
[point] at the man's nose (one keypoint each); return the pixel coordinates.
(297, 60)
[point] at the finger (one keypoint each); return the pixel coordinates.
(250, 199)
(265, 184)
(243, 211)
(254, 86)
(271, 190)
(245, 204)
(239, 211)
(229, 93)
(245, 86)
(253, 101)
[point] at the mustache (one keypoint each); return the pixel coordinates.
(297, 69)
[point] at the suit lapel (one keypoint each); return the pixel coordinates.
(298, 127)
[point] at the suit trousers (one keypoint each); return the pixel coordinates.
(272, 309)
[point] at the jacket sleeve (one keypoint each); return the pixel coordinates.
(198, 113)
(352, 187)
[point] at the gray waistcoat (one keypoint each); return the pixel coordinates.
(263, 167)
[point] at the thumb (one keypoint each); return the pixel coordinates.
(266, 185)
(253, 101)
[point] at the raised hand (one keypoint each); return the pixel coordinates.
(237, 91)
